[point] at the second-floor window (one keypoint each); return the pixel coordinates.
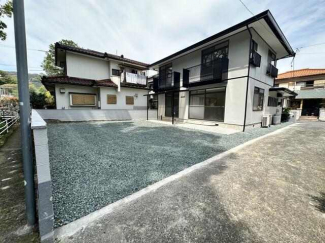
(254, 46)
(115, 72)
(271, 58)
(165, 75)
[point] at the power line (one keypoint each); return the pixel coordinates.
(260, 22)
(11, 65)
(246, 7)
(30, 49)
(312, 45)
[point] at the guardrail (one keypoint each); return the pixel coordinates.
(8, 122)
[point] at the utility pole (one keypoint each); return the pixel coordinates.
(24, 108)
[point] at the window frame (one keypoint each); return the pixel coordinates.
(114, 69)
(254, 43)
(260, 99)
(272, 101)
(107, 97)
(126, 100)
(73, 93)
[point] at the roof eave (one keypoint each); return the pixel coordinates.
(268, 18)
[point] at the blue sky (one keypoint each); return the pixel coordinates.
(149, 30)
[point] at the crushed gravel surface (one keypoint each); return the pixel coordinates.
(94, 164)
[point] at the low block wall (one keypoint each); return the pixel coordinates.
(322, 114)
(296, 114)
(97, 115)
(44, 184)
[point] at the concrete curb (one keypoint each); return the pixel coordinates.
(44, 183)
(80, 224)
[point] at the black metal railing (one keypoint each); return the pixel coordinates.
(167, 83)
(210, 72)
(272, 71)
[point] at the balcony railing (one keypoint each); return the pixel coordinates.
(207, 73)
(272, 71)
(167, 83)
(133, 78)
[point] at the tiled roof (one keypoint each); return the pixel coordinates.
(311, 94)
(301, 73)
(77, 81)
(100, 54)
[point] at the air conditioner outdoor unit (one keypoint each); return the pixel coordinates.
(266, 120)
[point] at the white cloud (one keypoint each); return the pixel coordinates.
(149, 30)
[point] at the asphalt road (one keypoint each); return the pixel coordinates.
(270, 191)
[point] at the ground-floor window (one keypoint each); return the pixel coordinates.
(111, 99)
(77, 99)
(258, 99)
(129, 100)
(208, 104)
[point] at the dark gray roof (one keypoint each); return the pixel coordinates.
(99, 54)
(311, 94)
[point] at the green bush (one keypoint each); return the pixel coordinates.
(285, 115)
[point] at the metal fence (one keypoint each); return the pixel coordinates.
(6, 123)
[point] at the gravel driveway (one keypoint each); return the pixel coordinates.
(270, 191)
(97, 163)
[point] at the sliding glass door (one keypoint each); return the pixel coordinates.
(208, 104)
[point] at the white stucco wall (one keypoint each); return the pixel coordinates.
(63, 100)
(140, 102)
(260, 72)
(235, 101)
(82, 66)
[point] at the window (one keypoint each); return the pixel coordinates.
(165, 76)
(129, 100)
(115, 72)
(134, 71)
(273, 101)
(254, 46)
(258, 99)
(111, 99)
(82, 99)
(207, 104)
(271, 58)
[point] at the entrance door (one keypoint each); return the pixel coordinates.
(169, 102)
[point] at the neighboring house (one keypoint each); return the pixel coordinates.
(227, 78)
(95, 80)
(309, 84)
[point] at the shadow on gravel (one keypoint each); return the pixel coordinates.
(320, 200)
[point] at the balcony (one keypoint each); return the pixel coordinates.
(135, 79)
(208, 73)
(272, 71)
(167, 83)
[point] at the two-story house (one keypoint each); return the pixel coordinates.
(309, 84)
(96, 80)
(227, 78)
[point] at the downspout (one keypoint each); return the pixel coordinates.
(249, 67)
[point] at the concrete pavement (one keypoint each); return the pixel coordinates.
(270, 191)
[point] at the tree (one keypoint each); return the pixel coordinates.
(5, 10)
(5, 78)
(48, 63)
